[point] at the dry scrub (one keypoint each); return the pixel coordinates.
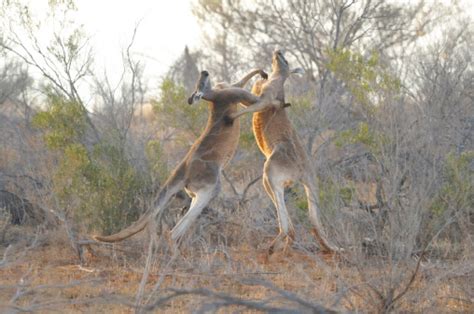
(43, 274)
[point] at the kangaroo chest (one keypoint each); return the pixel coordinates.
(270, 128)
(219, 141)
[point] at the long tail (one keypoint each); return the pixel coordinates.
(173, 185)
(314, 216)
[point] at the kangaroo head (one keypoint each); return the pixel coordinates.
(203, 85)
(279, 63)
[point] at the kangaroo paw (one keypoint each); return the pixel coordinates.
(228, 120)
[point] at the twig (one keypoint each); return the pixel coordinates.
(149, 260)
(244, 193)
(226, 300)
(316, 308)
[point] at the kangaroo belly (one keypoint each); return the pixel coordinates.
(219, 144)
(258, 126)
(271, 127)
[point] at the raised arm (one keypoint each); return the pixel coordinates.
(236, 95)
(261, 105)
(248, 76)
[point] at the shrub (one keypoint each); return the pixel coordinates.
(96, 183)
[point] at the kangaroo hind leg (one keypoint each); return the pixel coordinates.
(274, 185)
(268, 189)
(200, 200)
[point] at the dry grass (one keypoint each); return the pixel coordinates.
(49, 278)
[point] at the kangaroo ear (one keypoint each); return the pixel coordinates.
(297, 71)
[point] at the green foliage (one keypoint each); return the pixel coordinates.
(98, 185)
(155, 154)
(65, 122)
(457, 191)
(114, 186)
(247, 138)
(332, 195)
(363, 134)
(347, 194)
(365, 78)
(172, 108)
(297, 197)
(328, 195)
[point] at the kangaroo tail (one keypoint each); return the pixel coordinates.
(136, 227)
(172, 186)
(314, 216)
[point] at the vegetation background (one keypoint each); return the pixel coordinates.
(386, 113)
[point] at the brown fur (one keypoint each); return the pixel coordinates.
(272, 89)
(199, 172)
(287, 160)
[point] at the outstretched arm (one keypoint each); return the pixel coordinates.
(261, 105)
(248, 76)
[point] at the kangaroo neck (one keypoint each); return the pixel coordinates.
(209, 95)
(216, 118)
(279, 74)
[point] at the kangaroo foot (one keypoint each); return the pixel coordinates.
(281, 243)
(326, 247)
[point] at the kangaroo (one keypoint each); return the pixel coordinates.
(199, 171)
(286, 159)
(274, 87)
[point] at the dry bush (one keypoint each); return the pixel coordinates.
(394, 165)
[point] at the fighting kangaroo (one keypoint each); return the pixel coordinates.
(286, 159)
(273, 89)
(199, 171)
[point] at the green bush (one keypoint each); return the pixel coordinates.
(457, 191)
(173, 110)
(365, 77)
(364, 134)
(155, 155)
(96, 184)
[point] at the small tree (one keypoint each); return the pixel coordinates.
(96, 186)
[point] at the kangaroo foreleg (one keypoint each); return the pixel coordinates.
(248, 76)
(258, 106)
